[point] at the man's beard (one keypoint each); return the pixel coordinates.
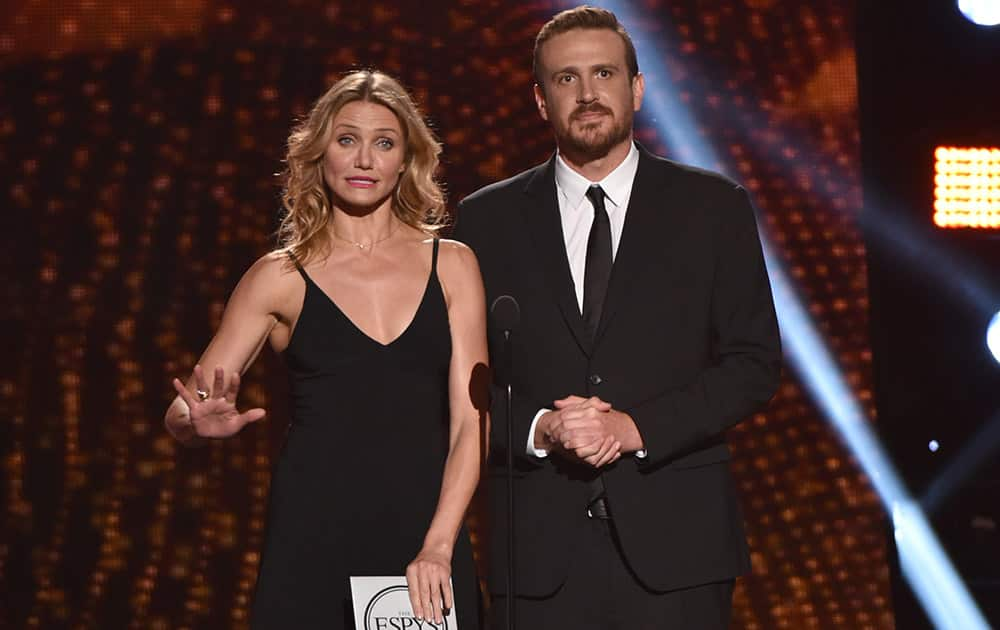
(588, 143)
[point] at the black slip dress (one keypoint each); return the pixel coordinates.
(356, 484)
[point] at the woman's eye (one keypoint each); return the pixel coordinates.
(385, 143)
(345, 140)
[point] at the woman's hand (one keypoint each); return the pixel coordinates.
(213, 412)
(428, 578)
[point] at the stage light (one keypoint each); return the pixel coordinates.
(967, 187)
(982, 12)
(933, 446)
(993, 336)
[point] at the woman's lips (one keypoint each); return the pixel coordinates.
(360, 182)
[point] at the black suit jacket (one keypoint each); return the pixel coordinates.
(687, 345)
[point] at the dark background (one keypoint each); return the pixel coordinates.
(928, 78)
(139, 143)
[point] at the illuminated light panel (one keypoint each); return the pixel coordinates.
(967, 187)
(982, 12)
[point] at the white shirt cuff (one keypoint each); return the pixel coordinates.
(531, 450)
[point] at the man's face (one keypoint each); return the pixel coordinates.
(585, 91)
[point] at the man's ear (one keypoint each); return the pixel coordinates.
(543, 110)
(638, 89)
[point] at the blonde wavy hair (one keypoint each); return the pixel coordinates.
(418, 199)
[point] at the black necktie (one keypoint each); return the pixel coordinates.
(598, 267)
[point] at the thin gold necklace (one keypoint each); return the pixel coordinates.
(362, 246)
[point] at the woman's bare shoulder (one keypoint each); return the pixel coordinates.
(458, 268)
(458, 255)
(272, 279)
(272, 266)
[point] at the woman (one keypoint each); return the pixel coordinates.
(383, 329)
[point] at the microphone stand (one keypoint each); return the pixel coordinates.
(510, 484)
(506, 315)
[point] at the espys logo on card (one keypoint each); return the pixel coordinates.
(389, 609)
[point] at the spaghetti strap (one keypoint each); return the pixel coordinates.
(298, 265)
(434, 257)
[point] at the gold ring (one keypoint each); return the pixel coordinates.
(202, 394)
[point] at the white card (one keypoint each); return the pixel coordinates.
(383, 603)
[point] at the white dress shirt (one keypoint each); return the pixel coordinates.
(577, 214)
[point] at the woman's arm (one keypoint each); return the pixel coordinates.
(247, 321)
(468, 391)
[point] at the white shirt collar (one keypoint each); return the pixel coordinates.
(573, 186)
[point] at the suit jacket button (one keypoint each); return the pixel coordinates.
(595, 379)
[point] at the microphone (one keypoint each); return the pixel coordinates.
(506, 314)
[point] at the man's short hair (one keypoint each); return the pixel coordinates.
(584, 17)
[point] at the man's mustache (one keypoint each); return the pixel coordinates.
(592, 108)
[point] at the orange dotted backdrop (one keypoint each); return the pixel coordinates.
(139, 143)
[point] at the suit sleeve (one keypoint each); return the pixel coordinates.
(470, 231)
(746, 365)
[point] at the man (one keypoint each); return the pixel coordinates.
(647, 329)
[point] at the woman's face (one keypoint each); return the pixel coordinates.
(365, 156)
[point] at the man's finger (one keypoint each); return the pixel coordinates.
(598, 454)
(584, 425)
(573, 413)
(610, 455)
(587, 448)
(583, 437)
(602, 449)
(593, 402)
(590, 461)
(555, 420)
(568, 401)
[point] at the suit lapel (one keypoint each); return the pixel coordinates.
(541, 214)
(642, 236)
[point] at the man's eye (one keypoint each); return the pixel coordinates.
(604, 74)
(566, 78)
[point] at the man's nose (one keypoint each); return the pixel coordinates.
(587, 93)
